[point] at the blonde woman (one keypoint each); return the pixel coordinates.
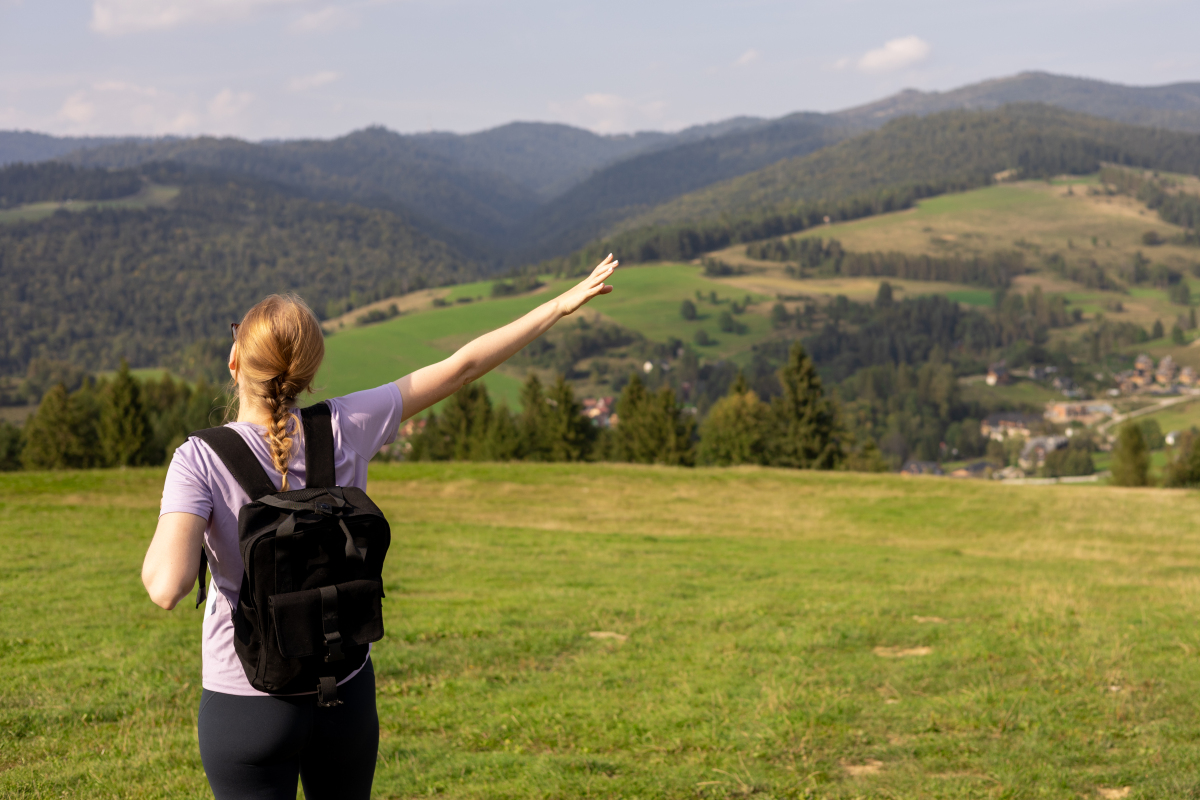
(256, 745)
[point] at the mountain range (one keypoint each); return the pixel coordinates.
(527, 191)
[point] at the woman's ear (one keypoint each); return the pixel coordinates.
(233, 362)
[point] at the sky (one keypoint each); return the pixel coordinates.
(263, 69)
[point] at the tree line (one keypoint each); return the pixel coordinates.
(110, 423)
(799, 427)
(810, 255)
(55, 181)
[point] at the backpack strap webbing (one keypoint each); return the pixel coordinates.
(239, 459)
(242, 464)
(318, 446)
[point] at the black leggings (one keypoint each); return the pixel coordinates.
(256, 747)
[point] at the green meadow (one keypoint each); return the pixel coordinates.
(646, 299)
(152, 195)
(595, 631)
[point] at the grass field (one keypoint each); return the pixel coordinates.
(152, 195)
(788, 635)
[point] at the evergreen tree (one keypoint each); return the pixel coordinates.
(1131, 457)
(687, 309)
(1184, 470)
(651, 428)
(532, 424)
(780, 316)
(502, 439)
(124, 428)
(51, 438)
(460, 433)
(1177, 336)
(1157, 331)
(735, 430)
(1192, 318)
(804, 429)
(884, 297)
(11, 442)
(570, 434)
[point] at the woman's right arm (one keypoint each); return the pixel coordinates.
(428, 385)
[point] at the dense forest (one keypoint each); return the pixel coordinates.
(34, 183)
(98, 286)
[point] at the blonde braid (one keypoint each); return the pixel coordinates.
(278, 401)
(279, 350)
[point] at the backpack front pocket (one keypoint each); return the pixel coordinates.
(323, 621)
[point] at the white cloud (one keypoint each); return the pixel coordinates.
(748, 57)
(611, 113)
(895, 54)
(77, 109)
(315, 81)
(228, 103)
(131, 16)
(324, 19)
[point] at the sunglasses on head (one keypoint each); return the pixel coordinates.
(233, 329)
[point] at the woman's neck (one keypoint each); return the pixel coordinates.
(254, 413)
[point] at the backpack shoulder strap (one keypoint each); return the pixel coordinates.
(239, 459)
(318, 446)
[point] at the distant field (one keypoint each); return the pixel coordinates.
(1036, 217)
(152, 195)
(789, 635)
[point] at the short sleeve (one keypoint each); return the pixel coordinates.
(187, 487)
(368, 419)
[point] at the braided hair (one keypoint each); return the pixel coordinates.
(279, 350)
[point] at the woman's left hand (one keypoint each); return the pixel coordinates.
(571, 300)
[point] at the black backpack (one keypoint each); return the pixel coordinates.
(311, 590)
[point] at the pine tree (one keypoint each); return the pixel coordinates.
(735, 430)
(532, 424)
(1157, 331)
(651, 428)
(804, 429)
(124, 428)
(11, 443)
(1131, 457)
(570, 434)
(51, 440)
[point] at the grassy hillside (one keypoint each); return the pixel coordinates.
(1065, 216)
(779, 634)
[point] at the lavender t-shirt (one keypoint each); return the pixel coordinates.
(198, 483)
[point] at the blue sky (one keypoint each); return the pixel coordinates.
(296, 68)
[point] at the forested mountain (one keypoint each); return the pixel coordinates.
(29, 147)
(372, 167)
(549, 159)
(636, 184)
(960, 147)
(1176, 106)
(101, 285)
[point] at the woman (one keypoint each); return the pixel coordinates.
(256, 745)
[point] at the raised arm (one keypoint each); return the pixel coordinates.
(428, 385)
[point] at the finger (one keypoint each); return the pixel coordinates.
(606, 289)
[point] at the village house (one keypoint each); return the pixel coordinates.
(1187, 376)
(998, 374)
(1165, 374)
(600, 411)
(1033, 454)
(1001, 426)
(1085, 413)
(976, 469)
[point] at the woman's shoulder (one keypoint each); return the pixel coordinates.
(369, 419)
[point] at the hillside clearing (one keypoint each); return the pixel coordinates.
(756, 605)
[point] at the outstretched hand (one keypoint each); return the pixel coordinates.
(571, 300)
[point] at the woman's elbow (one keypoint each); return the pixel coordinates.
(162, 595)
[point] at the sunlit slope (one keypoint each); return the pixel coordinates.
(1069, 217)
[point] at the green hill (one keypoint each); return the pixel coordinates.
(143, 283)
(957, 147)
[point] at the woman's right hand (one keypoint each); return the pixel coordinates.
(573, 299)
